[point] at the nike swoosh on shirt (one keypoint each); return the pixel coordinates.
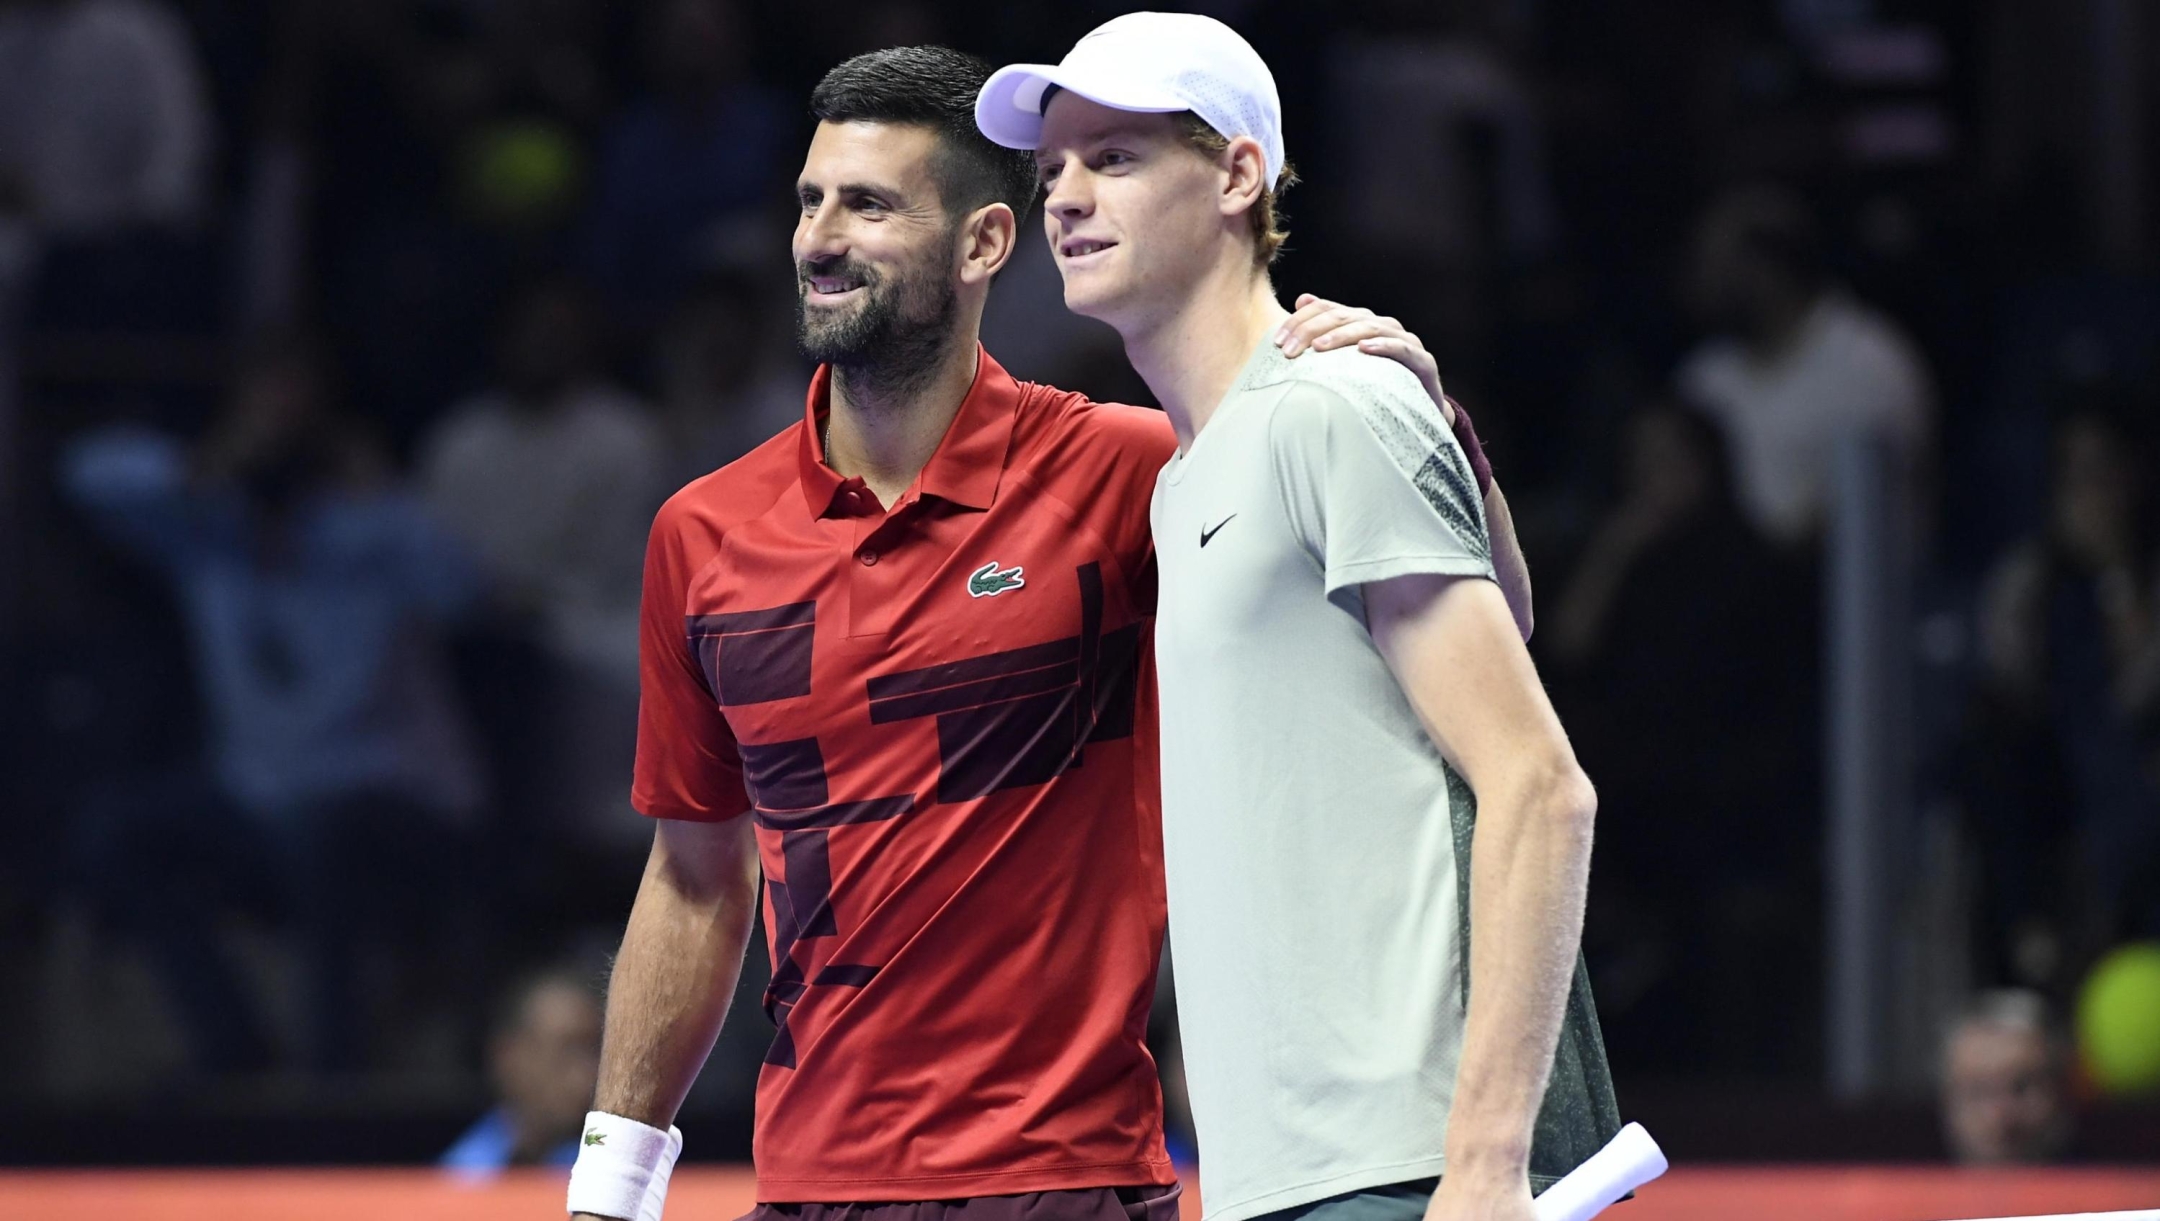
(1205, 534)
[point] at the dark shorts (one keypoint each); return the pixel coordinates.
(1086, 1204)
(1394, 1202)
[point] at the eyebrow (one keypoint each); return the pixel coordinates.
(854, 188)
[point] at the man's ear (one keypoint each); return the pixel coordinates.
(988, 238)
(1245, 164)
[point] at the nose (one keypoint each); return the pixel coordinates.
(819, 236)
(1071, 196)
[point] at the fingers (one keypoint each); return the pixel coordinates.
(1314, 320)
(1407, 352)
(1297, 327)
(1358, 330)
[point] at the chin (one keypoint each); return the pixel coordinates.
(1088, 297)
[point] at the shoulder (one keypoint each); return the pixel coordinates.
(706, 509)
(1356, 376)
(1330, 391)
(1706, 373)
(1063, 419)
(1867, 336)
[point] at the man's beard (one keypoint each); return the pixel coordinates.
(893, 339)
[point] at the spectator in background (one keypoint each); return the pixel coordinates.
(2065, 763)
(2006, 1083)
(551, 478)
(340, 777)
(544, 1059)
(1796, 364)
(547, 474)
(1678, 624)
(105, 124)
(699, 153)
(723, 393)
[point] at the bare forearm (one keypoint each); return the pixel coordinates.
(1509, 566)
(1530, 865)
(680, 957)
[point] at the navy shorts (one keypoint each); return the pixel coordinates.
(1394, 1202)
(1152, 1203)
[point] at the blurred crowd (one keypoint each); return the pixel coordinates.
(347, 349)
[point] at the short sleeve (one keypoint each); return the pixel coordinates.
(688, 766)
(1375, 486)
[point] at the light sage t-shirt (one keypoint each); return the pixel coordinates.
(1316, 844)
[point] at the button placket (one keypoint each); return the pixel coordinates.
(877, 569)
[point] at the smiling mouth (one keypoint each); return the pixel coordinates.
(1082, 249)
(831, 288)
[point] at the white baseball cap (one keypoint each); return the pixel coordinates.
(1152, 63)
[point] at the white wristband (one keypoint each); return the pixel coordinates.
(656, 1190)
(623, 1168)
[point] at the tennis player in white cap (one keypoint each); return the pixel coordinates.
(1375, 1027)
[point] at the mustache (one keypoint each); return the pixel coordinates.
(847, 268)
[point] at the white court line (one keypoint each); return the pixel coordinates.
(2139, 1215)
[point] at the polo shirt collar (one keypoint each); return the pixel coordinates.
(969, 462)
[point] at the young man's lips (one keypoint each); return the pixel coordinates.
(1081, 248)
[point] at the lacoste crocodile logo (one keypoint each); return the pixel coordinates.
(989, 580)
(595, 1137)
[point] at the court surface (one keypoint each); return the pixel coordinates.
(1702, 1193)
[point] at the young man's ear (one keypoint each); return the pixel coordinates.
(991, 234)
(1246, 163)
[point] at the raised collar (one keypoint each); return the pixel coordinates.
(969, 461)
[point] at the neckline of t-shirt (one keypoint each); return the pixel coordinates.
(1261, 370)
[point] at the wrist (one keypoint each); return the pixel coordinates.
(623, 1167)
(1487, 1168)
(1473, 450)
(1485, 1155)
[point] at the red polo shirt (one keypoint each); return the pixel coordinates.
(941, 716)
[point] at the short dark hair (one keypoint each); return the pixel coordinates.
(932, 87)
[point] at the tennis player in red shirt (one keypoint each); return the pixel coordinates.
(896, 660)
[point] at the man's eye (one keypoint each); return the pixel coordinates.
(1113, 157)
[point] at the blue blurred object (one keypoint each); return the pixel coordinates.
(484, 1150)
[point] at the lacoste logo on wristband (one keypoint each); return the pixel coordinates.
(593, 1136)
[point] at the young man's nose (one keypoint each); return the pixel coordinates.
(1069, 195)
